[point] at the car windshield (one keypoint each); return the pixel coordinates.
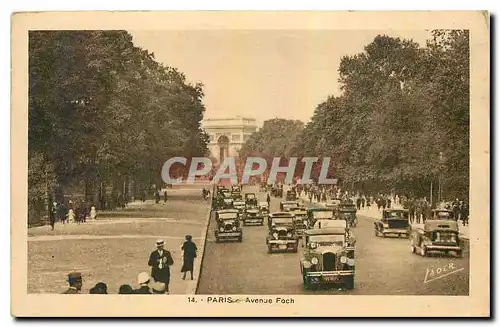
(323, 214)
(396, 215)
(228, 215)
(328, 240)
(250, 196)
(282, 221)
(227, 194)
(443, 214)
(238, 203)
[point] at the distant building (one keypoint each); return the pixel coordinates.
(227, 135)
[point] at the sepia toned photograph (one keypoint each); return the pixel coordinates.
(251, 161)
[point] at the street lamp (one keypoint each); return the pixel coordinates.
(441, 163)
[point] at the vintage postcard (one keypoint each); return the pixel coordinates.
(250, 164)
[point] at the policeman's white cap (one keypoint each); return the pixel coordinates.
(143, 278)
(160, 243)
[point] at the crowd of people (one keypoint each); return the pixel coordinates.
(156, 282)
(419, 209)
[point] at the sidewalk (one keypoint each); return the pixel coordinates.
(374, 214)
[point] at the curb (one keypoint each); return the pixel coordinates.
(201, 256)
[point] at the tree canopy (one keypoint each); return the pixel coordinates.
(402, 118)
(103, 111)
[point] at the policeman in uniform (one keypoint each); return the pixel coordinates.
(75, 283)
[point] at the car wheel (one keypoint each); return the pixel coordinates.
(305, 282)
(269, 249)
(413, 250)
(217, 240)
(460, 254)
(376, 233)
(240, 239)
(349, 282)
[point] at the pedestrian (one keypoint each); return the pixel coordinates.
(93, 213)
(61, 213)
(143, 280)
(165, 196)
(464, 213)
(160, 261)
(75, 282)
(456, 209)
(125, 289)
(358, 203)
(363, 201)
(99, 288)
(157, 196)
(71, 216)
(158, 288)
(268, 200)
(52, 213)
(388, 203)
(189, 255)
(418, 210)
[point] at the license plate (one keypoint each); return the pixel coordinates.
(229, 234)
(282, 247)
(330, 278)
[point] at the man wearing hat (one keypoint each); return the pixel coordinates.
(158, 288)
(159, 261)
(143, 280)
(75, 283)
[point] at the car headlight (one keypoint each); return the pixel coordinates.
(234, 228)
(275, 235)
(350, 262)
(385, 225)
(343, 259)
(221, 229)
(289, 235)
(314, 261)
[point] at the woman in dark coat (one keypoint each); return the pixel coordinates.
(189, 249)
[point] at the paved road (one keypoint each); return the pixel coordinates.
(385, 266)
(115, 248)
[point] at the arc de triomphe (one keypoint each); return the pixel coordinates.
(227, 135)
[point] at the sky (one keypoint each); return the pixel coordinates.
(262, 74)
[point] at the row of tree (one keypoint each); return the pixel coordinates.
(400, 124)
(104, 116)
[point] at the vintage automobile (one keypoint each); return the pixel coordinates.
(228, 225)
(394, 221)
(291, 196)
(236, 195)
(288, 205)
(221, 189)
(442, 214)
(264, 207)
(299, 220)
(236, 188)
(277, 191)
(251, 199)
(253, 216)
(263, 187)
(282, 235)
(436, 236)
(328, 257)
(347, 211)
(333, 203)
(239, 205)
(313, 214)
